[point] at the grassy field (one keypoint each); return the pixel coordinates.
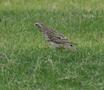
(26, 60)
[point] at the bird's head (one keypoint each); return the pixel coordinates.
(72, 46)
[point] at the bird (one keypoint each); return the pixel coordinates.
(55, 38)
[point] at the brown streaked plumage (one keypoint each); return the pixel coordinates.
(55, 38)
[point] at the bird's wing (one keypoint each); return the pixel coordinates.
(57, 38)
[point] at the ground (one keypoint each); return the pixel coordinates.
(26, 60)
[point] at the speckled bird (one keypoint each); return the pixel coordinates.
(55, 38)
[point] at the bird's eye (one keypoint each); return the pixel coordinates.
(71, 45)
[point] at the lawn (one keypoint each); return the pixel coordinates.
(27, 62)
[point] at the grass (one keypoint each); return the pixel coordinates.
(26, 60)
